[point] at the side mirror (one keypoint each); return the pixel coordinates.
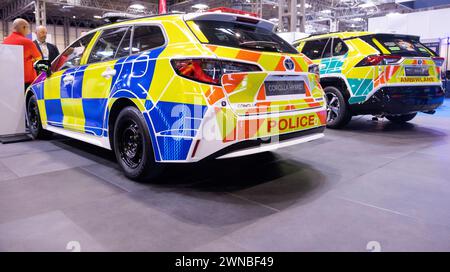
(42, 66)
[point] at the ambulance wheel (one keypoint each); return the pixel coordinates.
(401, 119)
(34, 120)
(338, 113)
(133, 146)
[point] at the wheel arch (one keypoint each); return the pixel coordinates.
(338, 83)
(114, 110)
(28, 95)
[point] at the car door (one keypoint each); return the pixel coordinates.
(58, 87)
(333, 56)
(315, 49)
(111, 45)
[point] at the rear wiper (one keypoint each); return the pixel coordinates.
(261, 45)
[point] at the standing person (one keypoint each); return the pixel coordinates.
(48, 51)
(21, 28)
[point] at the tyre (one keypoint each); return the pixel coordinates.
(401, 119)
(34, 120)
(133, 146)
(338, 113)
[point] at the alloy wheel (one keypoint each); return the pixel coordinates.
(333, 107)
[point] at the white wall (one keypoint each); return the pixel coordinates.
(430, 24)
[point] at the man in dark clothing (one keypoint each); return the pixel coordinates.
(48, 51)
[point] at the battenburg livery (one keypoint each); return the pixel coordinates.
(381, 74)
(179, 88)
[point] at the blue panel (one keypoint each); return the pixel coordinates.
(105, 128)
(78, 83)
(419, 4)
(177, 116)
(94, 109)
(54, 111)
(94, 131)
(152, 135)
(148, 104)
(174, 148)
(66, 89)
(38, 90)
(135, 73)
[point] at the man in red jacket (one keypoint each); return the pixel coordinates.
(31, 54)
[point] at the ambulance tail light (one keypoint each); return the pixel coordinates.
(439, 61)
(209, 71)
(374, 60)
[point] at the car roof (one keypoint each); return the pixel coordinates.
(349, 35)
(342, 35)
(221, 16)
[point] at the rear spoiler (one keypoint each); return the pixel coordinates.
(404, 36)
(230, 17)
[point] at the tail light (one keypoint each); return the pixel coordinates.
(374, 60)
(439, 61)
(314, 68)
(209, 70)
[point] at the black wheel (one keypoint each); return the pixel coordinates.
(34, 120)
(338, 113)
(401, 119)
(133, 147)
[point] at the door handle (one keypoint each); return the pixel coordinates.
(109, 73)
(68, 79)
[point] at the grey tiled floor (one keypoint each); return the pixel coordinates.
(373, 181)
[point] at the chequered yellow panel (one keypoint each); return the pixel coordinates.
(52, 86)
(94, 84)
(73, 114)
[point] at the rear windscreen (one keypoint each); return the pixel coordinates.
(401, 45)
(244, 36)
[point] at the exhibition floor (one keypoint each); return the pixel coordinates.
(373, 181)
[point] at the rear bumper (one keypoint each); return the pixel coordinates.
(402, 100)
(259, 145)
(223, 135)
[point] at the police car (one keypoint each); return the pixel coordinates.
(179, 88)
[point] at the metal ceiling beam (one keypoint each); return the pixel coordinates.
(40, 12)
(16, 8)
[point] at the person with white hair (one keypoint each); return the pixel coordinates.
(48, 51)
(21, 28)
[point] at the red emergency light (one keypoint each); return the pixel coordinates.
(235, 11)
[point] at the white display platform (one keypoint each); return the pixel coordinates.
(12, 104)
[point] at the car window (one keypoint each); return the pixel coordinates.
(241, 35)
(146, 37)
(71, 57)
(339, 47)
(124, 48)
(107, 44)
(401, 45)
(314, 49)
(327, 52)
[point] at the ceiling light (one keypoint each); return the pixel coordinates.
(367, 5)
(136, 6)
(306, 5)
(393, 14)
(200, 6)
(327, 11)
